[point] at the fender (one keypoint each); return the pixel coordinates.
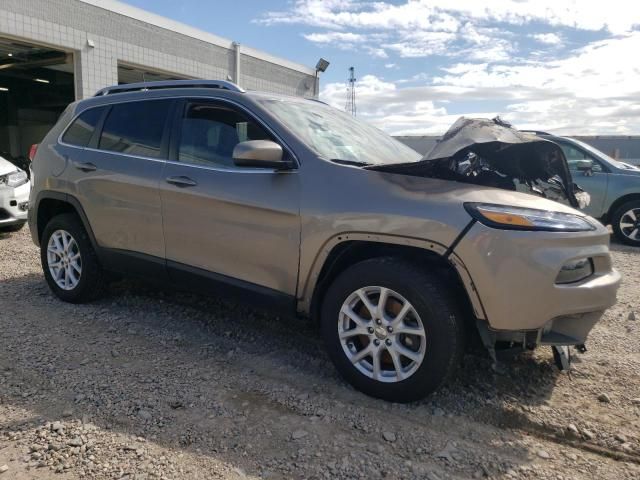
(63, 197)
(307, 285)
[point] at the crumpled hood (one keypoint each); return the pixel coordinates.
(6, 166)
(492, 153)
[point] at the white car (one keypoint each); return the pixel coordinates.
(14, 197)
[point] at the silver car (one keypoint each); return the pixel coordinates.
(292, 203)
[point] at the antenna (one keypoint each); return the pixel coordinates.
(350, 104)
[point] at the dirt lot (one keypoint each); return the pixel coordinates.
(147, 384)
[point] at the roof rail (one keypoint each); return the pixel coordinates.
(536, 132)
(165, 84)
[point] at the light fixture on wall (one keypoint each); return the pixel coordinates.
(41, 80)
(90, 43)
(4, 89)
(322, 65)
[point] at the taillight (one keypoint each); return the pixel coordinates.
(32, 151)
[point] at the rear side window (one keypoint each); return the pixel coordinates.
(135, 128)
(81, 129)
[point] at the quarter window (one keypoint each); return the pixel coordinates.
(81, 129)
(135, 128)
(210, 132)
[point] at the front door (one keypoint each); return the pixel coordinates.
(237, 223)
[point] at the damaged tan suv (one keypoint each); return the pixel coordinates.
(400, 258)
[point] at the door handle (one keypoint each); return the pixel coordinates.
(182, 181)
(85, 167)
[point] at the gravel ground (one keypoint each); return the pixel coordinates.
(148, 384)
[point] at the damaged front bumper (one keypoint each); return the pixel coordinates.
(516, 278)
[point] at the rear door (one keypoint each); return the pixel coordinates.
(115, 177)
(220, 220)
(595, 182)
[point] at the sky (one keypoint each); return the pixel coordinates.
(565, 66)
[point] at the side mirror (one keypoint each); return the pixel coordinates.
(260, 154)
(584, 165)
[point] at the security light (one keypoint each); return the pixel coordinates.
(322, 65)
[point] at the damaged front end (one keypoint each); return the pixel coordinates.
(492, 153)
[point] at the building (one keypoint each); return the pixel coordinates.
(53, 52)
(621, 147)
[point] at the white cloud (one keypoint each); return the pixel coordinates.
(547, 38)
(590, 91)
(513, 56)
(617, 16)
(332, 37)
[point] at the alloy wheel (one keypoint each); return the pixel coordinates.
(64, 260)
(630, 224)
(381, 334)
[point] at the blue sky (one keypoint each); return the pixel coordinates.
(567, 66)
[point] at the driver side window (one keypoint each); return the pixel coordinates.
(575, 155)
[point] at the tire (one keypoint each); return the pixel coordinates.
(434, 309)
(89, 279)
(12, 228)
(626, 229)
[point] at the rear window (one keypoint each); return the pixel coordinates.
(81, 129)
(135, 128)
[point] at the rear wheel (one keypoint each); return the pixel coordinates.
(392, 329)
(69, 262)
(626, 223)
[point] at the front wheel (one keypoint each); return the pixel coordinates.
(392, 329)
(626, 223)
(69, 262)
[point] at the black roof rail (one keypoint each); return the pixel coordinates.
(165, 84)
(536, 132)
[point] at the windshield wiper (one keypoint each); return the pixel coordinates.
(349, 162)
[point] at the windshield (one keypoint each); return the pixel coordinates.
(334, 135)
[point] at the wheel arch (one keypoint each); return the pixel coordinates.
(51, 203)
(618, 203)
(345, 250)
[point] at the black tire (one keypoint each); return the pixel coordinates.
(436, 307)
(617, 218)
(91, 280)
(12, 228)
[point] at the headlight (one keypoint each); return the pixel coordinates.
(516, 218)
(14, 179)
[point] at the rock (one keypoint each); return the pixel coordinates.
(75, 442)
(588, 434)
(298, 434)
(632, 316)
(3, 468)
(144, 415)
(114, 353)
(635, 401)
(67, 413)
(604, 398)
(573, 430)
(389, 436)
(543, 454)
(620, 437)
(57, 427)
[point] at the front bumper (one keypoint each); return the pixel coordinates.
(14, 205)
(514, 273)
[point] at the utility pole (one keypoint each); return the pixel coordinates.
(350, 104)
